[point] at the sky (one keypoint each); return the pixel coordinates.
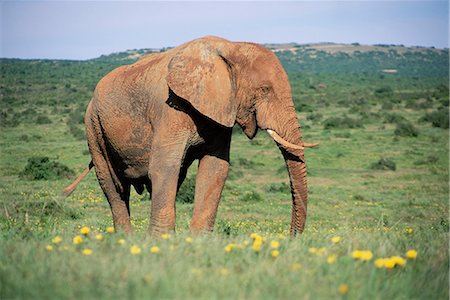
(85, 29)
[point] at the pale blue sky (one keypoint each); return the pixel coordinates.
(82, 29)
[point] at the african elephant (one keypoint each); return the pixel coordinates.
(148, 121)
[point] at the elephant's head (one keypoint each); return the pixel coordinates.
(246, 84)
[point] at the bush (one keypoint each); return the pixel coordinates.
(406, 129)
(42, 168)
(394, 118)
(77, 132)
(278, 188)
(186, 192)
(438, 118)
(420, 104)
(303, 107)
(342, 122)
(384, 164)
(76, 117)
(251, 197)
(384, 91)
(43, 119)
(314, 117)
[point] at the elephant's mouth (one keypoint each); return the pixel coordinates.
(277, 138)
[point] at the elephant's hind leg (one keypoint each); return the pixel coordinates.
(116, 190)
(117, 193)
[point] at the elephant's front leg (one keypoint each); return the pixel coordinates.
(211, 175)
(164, 170)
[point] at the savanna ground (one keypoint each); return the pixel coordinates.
(378, 183)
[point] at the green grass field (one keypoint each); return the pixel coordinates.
(354, 203)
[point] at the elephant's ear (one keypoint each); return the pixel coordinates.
(198, 74)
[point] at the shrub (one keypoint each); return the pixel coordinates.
(420, 104)
(9, 119)
(76, 117)
(387, 105)
(278, 188)
(42, 168)
(342, 122)
(303, 107)
(186, 192)
(314, 117)
(251, 197)
(394, 118)
(43, 119)
(77, 132)
(384, 164)
(438, 118)
(384, 91)
(406, 129)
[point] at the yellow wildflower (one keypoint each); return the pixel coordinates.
(188, 240)
(398, 260)
(389, 263)
(77, 240)
(121, 242)
(257, 245)
(57, 239)
(154, 249)
(364, 255)
(228, 248)
(335, 239)
(85, 230)
(165, 236)
(312, 250)
(331, 259)
(411, 254)
(409, 230)
(343, 289)
(135, 250)
(274, 244)
(49, 247)
(110, 229)
(254, 235)
(87, 251)
(380, 262)
(295, 267)
(99, 237)
(275, 253)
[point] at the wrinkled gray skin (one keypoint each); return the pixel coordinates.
(147, 122)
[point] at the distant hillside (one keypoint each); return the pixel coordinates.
(356, 58)
(338, 58)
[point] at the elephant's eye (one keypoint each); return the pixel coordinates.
(263, 92)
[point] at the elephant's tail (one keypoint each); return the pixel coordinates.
(70, 188)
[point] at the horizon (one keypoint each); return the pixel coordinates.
(264, 44)
(88, 30)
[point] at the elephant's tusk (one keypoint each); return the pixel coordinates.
(310, 145)
(283, 142)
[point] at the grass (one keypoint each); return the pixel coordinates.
(384, 211)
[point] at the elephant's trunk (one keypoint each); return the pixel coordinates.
(296, 165)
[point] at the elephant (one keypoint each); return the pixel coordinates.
(147, 122)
